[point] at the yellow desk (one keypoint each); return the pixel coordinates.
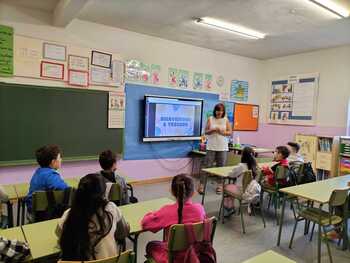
(41, 238)
(319, 192)
(134, 213)
(269, 257)
(14, 233)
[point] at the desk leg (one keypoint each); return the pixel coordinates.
(221, 211)
(134, 240)
(345, 227)
(281, 220)
(319, 244)
(23, 211)
(19, 203)
(204, 187)
(10, 213)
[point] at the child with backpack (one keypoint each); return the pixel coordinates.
(181, 212)
(271, 177)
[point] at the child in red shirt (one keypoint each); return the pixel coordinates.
(271, 177)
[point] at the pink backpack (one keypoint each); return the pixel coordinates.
(199, 251)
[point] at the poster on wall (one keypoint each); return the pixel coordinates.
(293, 100)
(145, 72)
(116, 110)
(101, 75)
(133, 70)
(197, 81)
(78, 78)
(78, 63)
(172, 77)
(118, 69)
(52, 70)
(239, 90)
(183, 77)
(155, 74)
(101, 59)
(6, 51)
(208, 81)
(54, 51)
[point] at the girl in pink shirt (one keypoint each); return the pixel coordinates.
(181, 212)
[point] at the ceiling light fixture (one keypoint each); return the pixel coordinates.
(330, 6)
(235, 29)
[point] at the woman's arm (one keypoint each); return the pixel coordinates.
(208, 129)
(228, 130)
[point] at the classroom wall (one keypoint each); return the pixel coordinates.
(130, 45)
(333, 66)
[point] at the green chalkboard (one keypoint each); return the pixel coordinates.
(76, 120)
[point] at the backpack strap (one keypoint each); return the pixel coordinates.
(191, 235)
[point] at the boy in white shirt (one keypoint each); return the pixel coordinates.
(294, 155)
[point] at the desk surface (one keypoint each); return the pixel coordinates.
(225, 170)
(134, 213)
(41, 238)
(269, 257)
(319, 191)
(256, 149)
(10, 191)
(14, 233)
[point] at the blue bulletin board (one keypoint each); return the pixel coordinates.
(134, 147)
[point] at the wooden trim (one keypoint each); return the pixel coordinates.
(151, 180)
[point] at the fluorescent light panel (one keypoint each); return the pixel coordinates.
(331, 6)
(235, 29)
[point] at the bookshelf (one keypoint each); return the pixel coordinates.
(344, 156)
(322, 152)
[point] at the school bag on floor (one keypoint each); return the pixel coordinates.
(199, 251)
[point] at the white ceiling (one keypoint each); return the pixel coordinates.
(292, 26)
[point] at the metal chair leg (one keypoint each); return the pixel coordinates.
(294, 229)
(327, 244)
(319, 244)
(242, 219)
(312, 231)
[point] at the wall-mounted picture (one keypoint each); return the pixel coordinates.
(101, 59)
(54, 51)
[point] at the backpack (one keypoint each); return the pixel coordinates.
(308, 175)
(13, 250)
(199, 251)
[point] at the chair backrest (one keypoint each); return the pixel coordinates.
(125, 257)
(177, 240)
(338, 197)
(115, 193)
(247, 178)
(41, 204)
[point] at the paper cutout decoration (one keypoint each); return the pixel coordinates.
(172, 77)
(183, 77)
(155, 74)
(197, 81)
(208, 81)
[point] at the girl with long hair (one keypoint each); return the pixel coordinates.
(87, 230)
(181, 212)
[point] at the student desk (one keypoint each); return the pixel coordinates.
(133, 214)
(12, 195)
(223, 172)
(196, 155)
(42, 239)
(239, 149)
(14, 233)
(318, 192)
(269, 257)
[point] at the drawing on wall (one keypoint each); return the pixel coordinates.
(172, 77)
(145, 72)
(183, 77)
(133, 70)
(220, 81)
(208, 81)
(197, 80)
(155, 73)
(239, 90)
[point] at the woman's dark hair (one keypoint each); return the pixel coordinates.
(283, 150)
(182, 187)
(249, 159)
(219, 106)
(87, 222)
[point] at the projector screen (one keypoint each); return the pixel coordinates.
(172, 118)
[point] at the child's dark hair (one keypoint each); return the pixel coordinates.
(294, 145)
(182, 187)
(283, 150)
(87, 218)
(44, 155)
(219, 106)
(107, 159)
(248, 158)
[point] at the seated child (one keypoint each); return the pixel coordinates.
(92, 227)
(294, 155)
(181, 212)
(108, 162)
(271, 178)
(46, 177)
(252, 192)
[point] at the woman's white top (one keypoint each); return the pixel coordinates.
(216, 141)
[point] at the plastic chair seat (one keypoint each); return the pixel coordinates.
(320, 216)
(234, 191)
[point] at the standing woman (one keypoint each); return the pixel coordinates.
(217, 129)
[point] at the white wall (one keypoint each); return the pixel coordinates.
(334, 85)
